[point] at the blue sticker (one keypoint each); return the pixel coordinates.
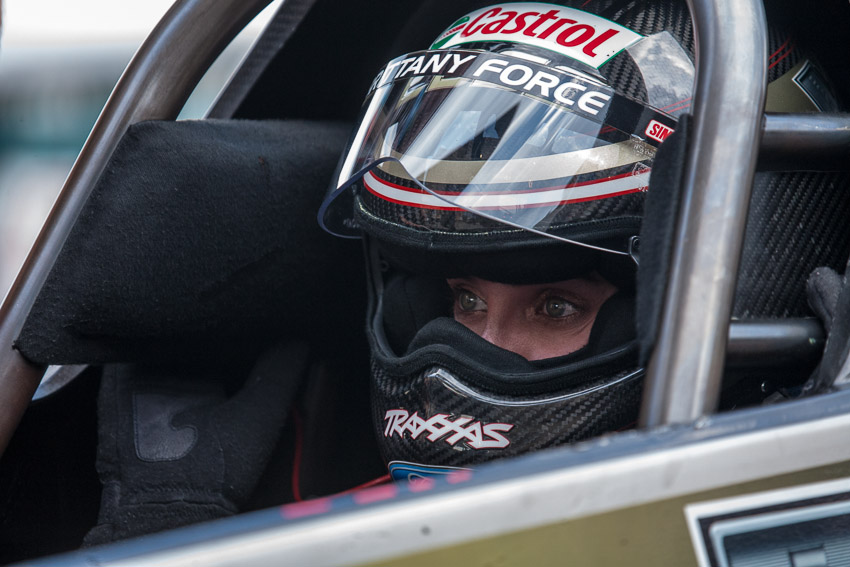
(401, 470)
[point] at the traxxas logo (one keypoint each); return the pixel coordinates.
(441, 426)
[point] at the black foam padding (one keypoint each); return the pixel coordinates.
(410, 302)
(201, 237)
(657, 234)
(614, 325)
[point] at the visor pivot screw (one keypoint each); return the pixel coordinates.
(634, 249)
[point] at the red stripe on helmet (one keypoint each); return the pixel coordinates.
(786, 53)
(509, 191)
(488, 208)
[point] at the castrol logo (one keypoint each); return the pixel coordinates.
(568, 31)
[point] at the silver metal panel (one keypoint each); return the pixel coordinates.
(523, 503)
(541, 489)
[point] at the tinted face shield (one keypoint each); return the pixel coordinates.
(492, 138)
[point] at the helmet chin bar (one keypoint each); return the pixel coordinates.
(451, 382)
(436, 416)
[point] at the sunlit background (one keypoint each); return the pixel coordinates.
(59, 60)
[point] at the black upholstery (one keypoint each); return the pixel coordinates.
(199, 234)
(657, 234)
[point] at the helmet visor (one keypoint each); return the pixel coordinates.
(499, 136)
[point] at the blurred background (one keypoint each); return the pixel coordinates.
(59, 61)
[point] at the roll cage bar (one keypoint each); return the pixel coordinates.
(684, 374)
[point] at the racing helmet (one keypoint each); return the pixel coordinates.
(517, 148)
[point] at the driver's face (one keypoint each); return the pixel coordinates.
(535, 321)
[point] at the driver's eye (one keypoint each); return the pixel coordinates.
(468, 301)
(558, 307)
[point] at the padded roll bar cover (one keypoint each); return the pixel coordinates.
(657, 233)
(202, 235)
